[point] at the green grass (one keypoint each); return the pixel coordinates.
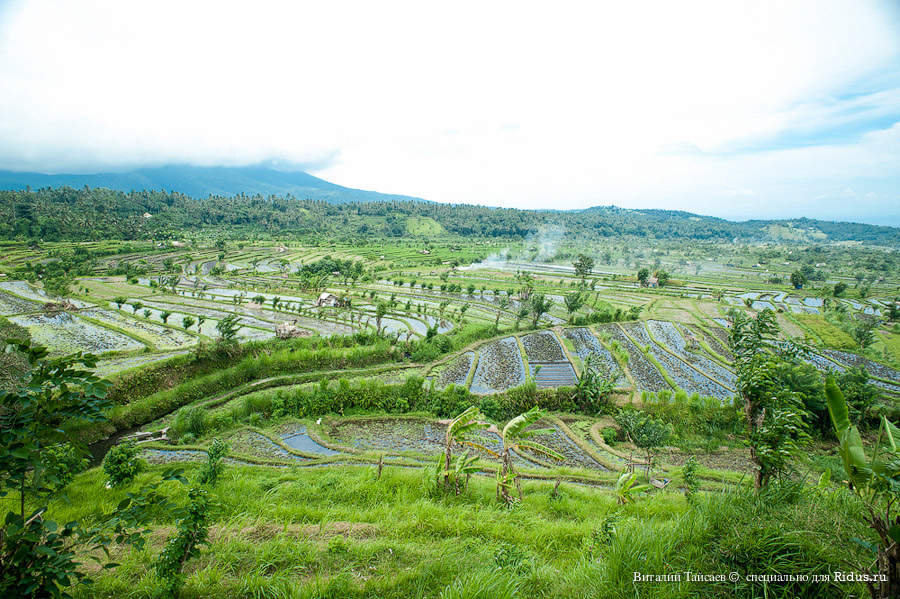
(343, 533)
(424, 226)
(829, 334)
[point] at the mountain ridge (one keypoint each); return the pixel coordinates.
(203, 181)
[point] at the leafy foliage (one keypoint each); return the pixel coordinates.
(773, 410)
(121, 463)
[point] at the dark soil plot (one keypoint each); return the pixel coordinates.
(543, 347)
(457, 372)
(165, 456)
(645, 374)
(500, 367)
(684, 376)
(714, 342)
(874, 368)
(389, 434)
(821, 362)
(253, 443)
(666, 333)
(298, 439)
(10, 304)
(553, 375)
(558, 441)
(586, 344)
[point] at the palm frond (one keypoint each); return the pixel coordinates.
(514, 428)
(477, 446)
(538, 448)
(536, 431)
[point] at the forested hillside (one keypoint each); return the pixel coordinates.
(85, 214)
(202, 182)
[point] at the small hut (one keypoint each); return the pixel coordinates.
(327, 300)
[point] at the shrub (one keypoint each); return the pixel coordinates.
(121, 463)
(62, 463)
(610, 434)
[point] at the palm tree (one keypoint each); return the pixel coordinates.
(135, 306)
(164, 316)
(515, 437)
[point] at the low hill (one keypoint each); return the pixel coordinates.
(85, 213)
(202, 182)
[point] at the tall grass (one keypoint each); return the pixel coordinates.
(345, 533)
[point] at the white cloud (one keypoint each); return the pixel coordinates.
(502, 103)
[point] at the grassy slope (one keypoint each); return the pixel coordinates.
(342, 533)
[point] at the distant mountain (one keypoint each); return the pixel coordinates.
(201, 182)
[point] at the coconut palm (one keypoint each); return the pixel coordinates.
(515, 437)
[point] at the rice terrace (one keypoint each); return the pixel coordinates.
(336, 372)
(634, 332)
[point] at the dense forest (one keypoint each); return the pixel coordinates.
(93, 214)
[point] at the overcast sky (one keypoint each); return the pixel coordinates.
(735, 109)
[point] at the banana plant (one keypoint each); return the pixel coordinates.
(876, 481)
(465, 465)
(459, 432)
(626, 487)
(515, 436)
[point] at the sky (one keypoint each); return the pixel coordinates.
(742, 110)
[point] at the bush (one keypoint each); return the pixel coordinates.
(610, 434)
(121, 463)
(62, 463)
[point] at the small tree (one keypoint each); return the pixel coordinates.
(522, 313)
(147, 313)
(228, 328)
(642, 275)
(574, 302)
(649, 435)
(864, 333)
(540, 305)
(583, 264)
(38, 557)
(164, 316)
(380, 311)
(120, 301)
(839, 289)
(121, 464)
(662, 278)
(135, 306)
(773, 411)
(798, 279)
(187, 322)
